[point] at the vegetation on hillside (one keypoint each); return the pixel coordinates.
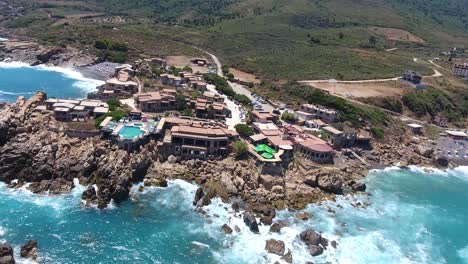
(296, 94)
(239, 148)
(116, 111)
(244, 130)
(273, 39)
(434, 102)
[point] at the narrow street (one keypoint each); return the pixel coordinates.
(240, 89)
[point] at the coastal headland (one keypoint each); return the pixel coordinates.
(38, 152)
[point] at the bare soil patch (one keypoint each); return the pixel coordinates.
(390, 88)
(397, 34)
(182, 61)
(244, 76)
(75, 17)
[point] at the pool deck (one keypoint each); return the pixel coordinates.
(262, 159)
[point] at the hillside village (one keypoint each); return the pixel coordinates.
(195, 115)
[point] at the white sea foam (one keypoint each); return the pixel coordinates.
(120, 248)
(3, 231)
(82, 83)
(10, 93)
(3, 39)
(463, 253)
(57, 202)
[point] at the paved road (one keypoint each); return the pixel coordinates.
(240, 89)
(436, 74)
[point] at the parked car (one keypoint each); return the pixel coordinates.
(281, 106)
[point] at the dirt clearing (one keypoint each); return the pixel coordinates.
(397, 34)
(244, 76)
(182, 61)
(390, 88)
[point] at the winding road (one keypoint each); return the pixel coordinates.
(401, 116)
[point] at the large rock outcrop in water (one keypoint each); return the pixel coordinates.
(6, 254)
(34, 149)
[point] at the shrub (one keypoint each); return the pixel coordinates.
(289, 117)
(378, 132)
(187, 112)
(113, 103)
(243, 99)
(230, 76)
(244, 130)
(187, 69)
(239, 148)
(101, 44)
(220, 83)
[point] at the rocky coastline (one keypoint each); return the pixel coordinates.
(36, 154)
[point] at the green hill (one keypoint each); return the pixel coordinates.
(275, 39)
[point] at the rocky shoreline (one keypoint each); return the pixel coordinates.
(35, 150)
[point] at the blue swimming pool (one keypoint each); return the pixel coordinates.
(130, 132)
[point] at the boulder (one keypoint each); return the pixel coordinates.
(266, 220)
(121, 189)
(310, 237)
(275, 228)
(251, 222)
(264, 209)
(48, 54)
(275, 247)
(330, 184)
(302, 216)
(172, 159)
(311, 180)
(333, 244)
(315, 250)
(359, 187)
(6, 254)
(227, 229)
(324, 242)
(89, 194)
(424, 151)
(442, 162)
(198, 196)
(29, 250)
(288, 257)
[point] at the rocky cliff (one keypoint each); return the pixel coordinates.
(35, 54)
(35, 150)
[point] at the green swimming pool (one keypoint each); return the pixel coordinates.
(130, 132)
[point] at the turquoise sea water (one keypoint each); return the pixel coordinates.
(18, 79)
(412, 217)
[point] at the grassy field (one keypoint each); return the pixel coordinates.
(273, 39)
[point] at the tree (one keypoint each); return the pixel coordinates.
(113, 103)
(230, 76)
(101, 44)
(180, 102)
(372, 41)
(244, 130)
(187, 69)
(242, 99)
(289, 117)
(187, 112)
(239, 148)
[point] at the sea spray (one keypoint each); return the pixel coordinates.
(409, 216)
